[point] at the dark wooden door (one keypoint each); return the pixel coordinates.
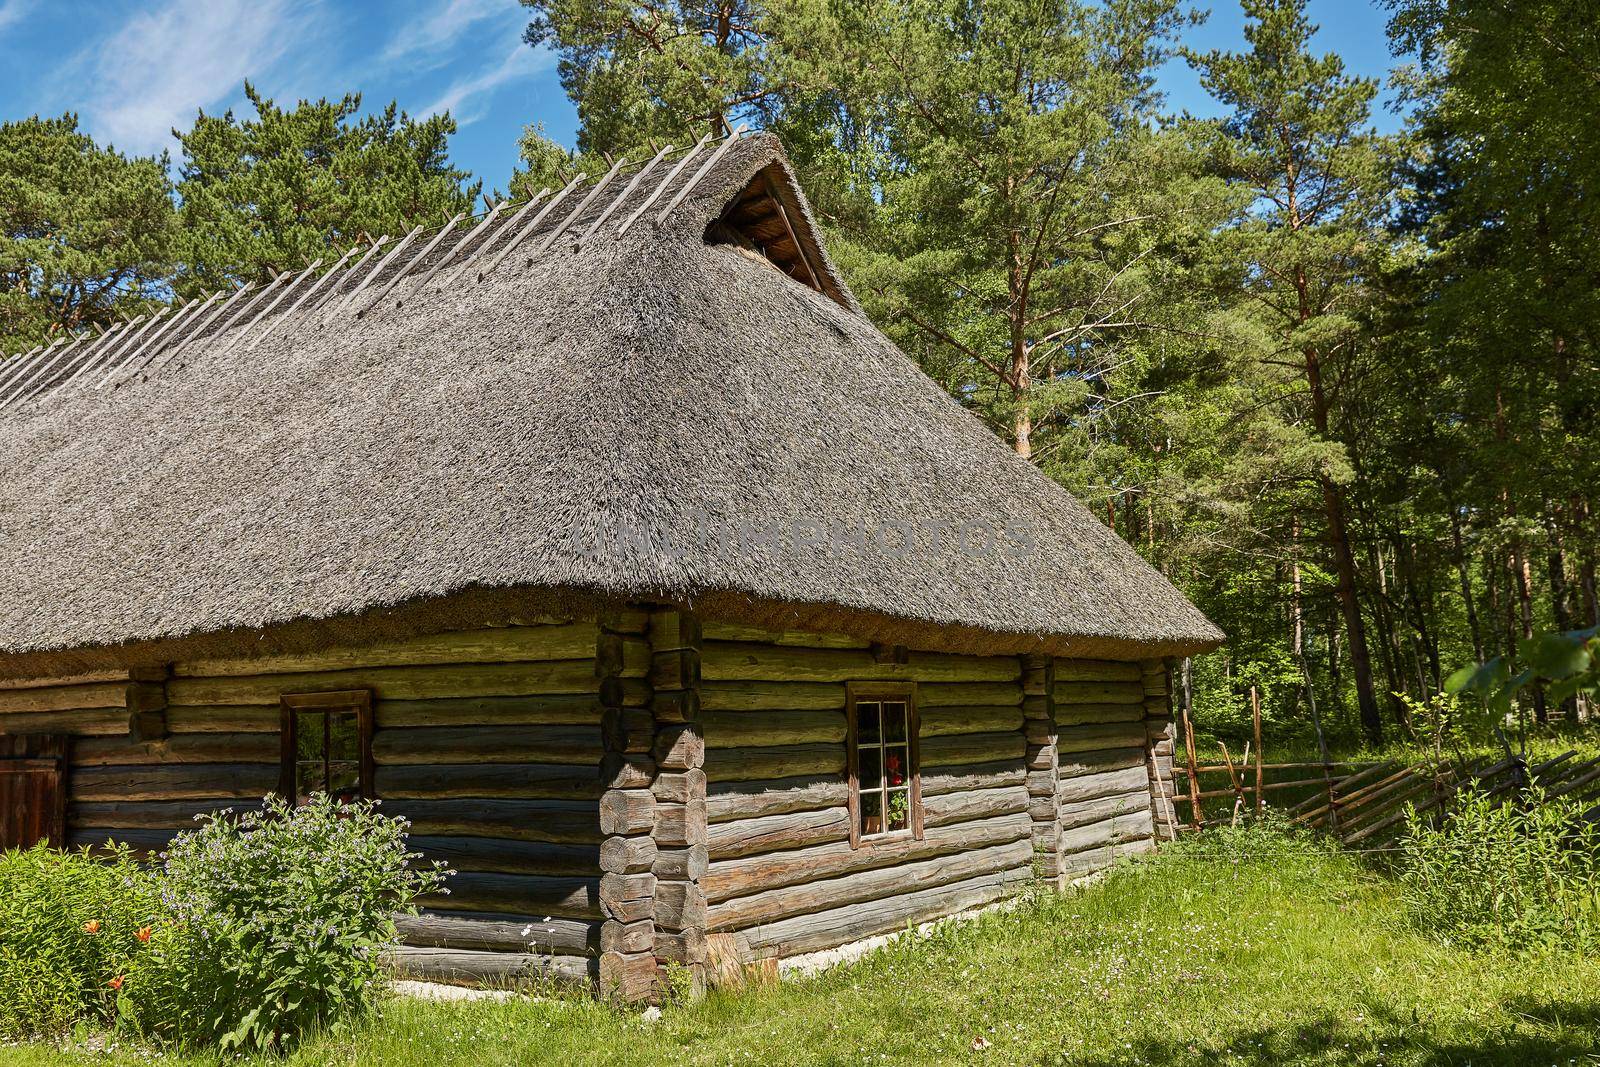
(33, 790)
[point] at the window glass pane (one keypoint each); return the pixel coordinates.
(899, 809)
(867, 723)
(344, 781)
(308, 727)
(308, 779)
(871, 813)
(344, 737)
(896, 764)
(894, 722)
(871, 768)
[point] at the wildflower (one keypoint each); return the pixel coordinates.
(144, 935)
(116, 983)
(92, 926)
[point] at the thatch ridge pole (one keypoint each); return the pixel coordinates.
(506, 229)
(405, 268)
(17, 361)
(127, 361)
(195, 322)
(376, 272)
(699, 175)
(42, 370)
(264, 312)
(233, 320)
(131, 344)
(533, 224)
(573, 215)
(661, 187)
(623, 198)
(351, 271)
(161, 360)
(46, 382)
(109, 343)
(472, 231)
(312, 290)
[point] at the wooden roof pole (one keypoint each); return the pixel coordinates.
(622, 199)
(39, 373)
(533, 224)
(350, 272)
(312, 290)
(655, 194)
(372, 275)
(264, 312)
(484, 223)
(490, 240)
(583, 205)
(143, 345)
(705, 168)
(405, 268)
(158, 360)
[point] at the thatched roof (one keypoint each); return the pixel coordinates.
(659, 413)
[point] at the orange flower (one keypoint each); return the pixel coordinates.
(143, 935)
(92, 926)
(116, 983)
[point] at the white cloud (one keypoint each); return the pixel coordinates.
(427, 39)
(12, 11)
(154, 70)
(465, 98)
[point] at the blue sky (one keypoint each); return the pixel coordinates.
(134, 69)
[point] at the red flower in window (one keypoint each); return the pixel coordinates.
(892, 764)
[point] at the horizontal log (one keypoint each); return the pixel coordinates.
(679, 787)
(527, 781)
(142, 843)
(567, 898)
(173, 782)
(687, 863)
(805, 917)
(56, 681)
(1098, 761)
(225, 719)
(505, 644)
(855, 922)
(1070, 715)
(493, 855)
(629, 977)
(1115, 830)
(687, 947)
(679, 825)
(772, 696)
(492, 968)
(753, 874)
(959, 777)
(395, 683)
(972, 748)
(627, 811)
(729, 631)
(944, 809)
(631, 937)
(489, 932)
(1097, 670)
(628, 855)
(727, 801)
(152, 814)
(561, 821)
(771, 833)
(737, 729)
(1081, 864)
(621, 771)
(1102, 784)
(64, 698)
(749, 661)
(1097, 693)
(679, 906)
(981, 719)
(179, 748)
(489, 744)
(552, 708)
(1087, 812)
(777, 761)
(1096, 736)
(82, 722)
(958, 694)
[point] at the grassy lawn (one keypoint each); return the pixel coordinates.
(1236, 957)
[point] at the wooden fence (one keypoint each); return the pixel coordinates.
(1364, 803)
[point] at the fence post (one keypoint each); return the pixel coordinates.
(1255, 714)
(1188, 744)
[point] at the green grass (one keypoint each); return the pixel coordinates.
(1236, 953)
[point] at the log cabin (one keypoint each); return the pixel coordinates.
(603, 538)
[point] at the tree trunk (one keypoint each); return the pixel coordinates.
(1467, 598)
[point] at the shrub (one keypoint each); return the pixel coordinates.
(278, 920)
(1515, 875)
(71, 927)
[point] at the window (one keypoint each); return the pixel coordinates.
(327, 745)
(885, 778)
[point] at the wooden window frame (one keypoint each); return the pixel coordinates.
(359, 700)
(872, 693)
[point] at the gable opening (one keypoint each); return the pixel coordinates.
(765, 221)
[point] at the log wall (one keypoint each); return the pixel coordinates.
(488, 740)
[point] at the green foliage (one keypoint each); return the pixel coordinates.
(1563, 664)
(70, 930)
(1520, 875)
(275, 924)
(86, 233)
(274, 192)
